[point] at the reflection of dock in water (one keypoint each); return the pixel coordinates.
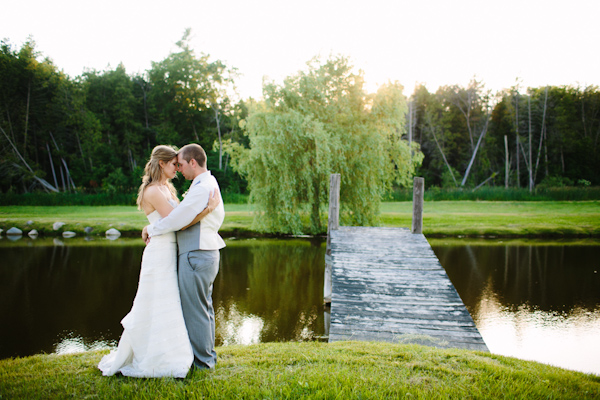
(388, 285)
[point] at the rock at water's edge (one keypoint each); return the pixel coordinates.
(14, 232)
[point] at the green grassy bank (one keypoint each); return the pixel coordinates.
(441, 218)
(343, 370)
(495, 218)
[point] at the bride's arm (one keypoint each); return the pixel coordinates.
(213, 202)
(155, 198)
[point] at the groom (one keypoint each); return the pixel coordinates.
(199, 246)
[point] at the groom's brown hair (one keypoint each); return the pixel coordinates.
(194, 151)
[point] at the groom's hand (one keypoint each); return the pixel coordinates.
(145, 236)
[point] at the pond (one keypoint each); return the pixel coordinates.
(529, 299)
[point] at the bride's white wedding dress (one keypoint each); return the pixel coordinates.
(155, 341)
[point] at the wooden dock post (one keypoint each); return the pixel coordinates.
(418, 192)
(333, 224)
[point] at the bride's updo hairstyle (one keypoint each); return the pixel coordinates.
(153, 171)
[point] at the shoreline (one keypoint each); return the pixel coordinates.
(440, 219)
(248, 234)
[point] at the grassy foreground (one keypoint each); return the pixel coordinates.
(440, 218)
(343, 370)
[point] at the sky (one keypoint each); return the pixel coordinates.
(429, 42)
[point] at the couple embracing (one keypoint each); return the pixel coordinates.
(171, 325)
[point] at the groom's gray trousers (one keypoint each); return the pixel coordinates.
(196, 271)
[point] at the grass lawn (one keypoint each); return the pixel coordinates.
(342, 370)
(492, 218)
(442, 218)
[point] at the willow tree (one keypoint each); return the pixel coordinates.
(318, 122)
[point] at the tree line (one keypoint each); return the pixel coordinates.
(94, 132)
(517, 138)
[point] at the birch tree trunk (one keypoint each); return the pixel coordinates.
(506, 164)
(52, 165)
(530, 165)
(432, 130)
(546, 151)
(517, 155)
(44, 183)
(195, 133)
(80, 149)
(217, 118)
(537, 163)
(466, 111)
(27, 117)
(475, 151)
(410, 127)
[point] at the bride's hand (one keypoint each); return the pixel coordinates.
(145, 236)
(213, 200)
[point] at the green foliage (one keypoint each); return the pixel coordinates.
(320, 122)
(115, 182)
(555, 181)
(101, 127)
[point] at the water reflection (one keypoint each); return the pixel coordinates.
(530, 300)
(238, 328)
(77, 344)
(69, 295)
(270, 290)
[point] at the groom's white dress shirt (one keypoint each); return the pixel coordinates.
(193, 203)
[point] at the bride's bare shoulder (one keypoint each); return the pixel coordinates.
(151, 196)
(151, 190)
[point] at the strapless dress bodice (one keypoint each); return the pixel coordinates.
(154, 216)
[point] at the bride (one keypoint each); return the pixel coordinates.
(155, 341)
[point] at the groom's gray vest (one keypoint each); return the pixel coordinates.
(189, 240)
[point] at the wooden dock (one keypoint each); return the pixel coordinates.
(388, 285)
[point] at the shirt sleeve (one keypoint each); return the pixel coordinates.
(194, 202)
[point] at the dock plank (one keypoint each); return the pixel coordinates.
(388, 285)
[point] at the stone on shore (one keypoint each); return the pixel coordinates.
(112, 233)
(68, 234)
(88, 229)
(57, 225)
(32, 233)
(14, 232)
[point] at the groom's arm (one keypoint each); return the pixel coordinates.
(195, 201)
